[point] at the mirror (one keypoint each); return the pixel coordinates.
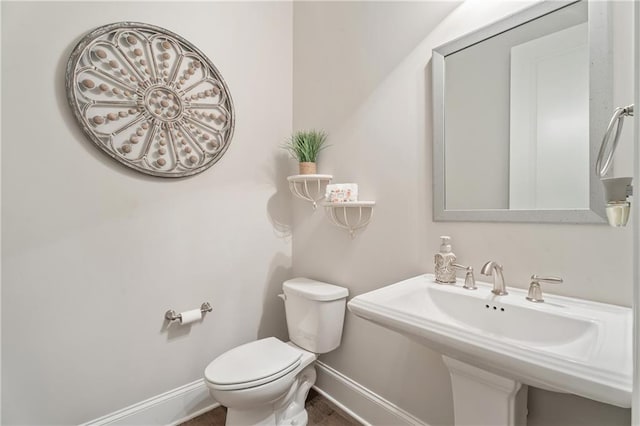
(519, 110)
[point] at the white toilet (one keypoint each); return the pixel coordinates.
(266, 382)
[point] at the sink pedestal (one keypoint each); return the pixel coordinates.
(484, 398)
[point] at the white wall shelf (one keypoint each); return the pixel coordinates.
(309, 187)
(352, 215)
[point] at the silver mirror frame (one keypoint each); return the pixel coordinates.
(600, 107)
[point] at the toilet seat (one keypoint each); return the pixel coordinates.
(252, 364)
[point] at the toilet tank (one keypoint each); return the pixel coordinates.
(315, 313)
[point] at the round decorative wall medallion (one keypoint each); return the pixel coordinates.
(150, 99)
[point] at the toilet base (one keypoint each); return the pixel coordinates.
(266, 417)
(257, 416)
(286, 411)
(301, 419)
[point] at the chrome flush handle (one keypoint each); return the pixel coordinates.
(535, 292)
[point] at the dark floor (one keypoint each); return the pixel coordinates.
(321, 413)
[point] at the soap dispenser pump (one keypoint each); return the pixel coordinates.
(445, 272)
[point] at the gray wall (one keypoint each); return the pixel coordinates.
(94, 254)
(376, 106)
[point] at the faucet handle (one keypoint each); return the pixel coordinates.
(469, 279)
(535, 292)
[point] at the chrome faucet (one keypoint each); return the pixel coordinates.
(495, 269)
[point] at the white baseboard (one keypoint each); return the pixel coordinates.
(189, 401)
(359, 402)
(170, 408)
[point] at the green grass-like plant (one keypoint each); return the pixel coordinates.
(305, 146)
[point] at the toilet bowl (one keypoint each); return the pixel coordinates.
(266, 382)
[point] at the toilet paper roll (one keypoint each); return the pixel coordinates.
(188, 317)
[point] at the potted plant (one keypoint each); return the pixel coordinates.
(304, 146)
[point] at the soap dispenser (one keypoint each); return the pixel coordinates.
(445, 272)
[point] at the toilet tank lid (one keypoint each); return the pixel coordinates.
(314, 290)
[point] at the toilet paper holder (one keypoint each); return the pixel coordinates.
(172, 315)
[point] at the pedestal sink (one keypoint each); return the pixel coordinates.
(496, 345)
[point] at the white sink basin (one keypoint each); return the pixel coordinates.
(564, 344)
